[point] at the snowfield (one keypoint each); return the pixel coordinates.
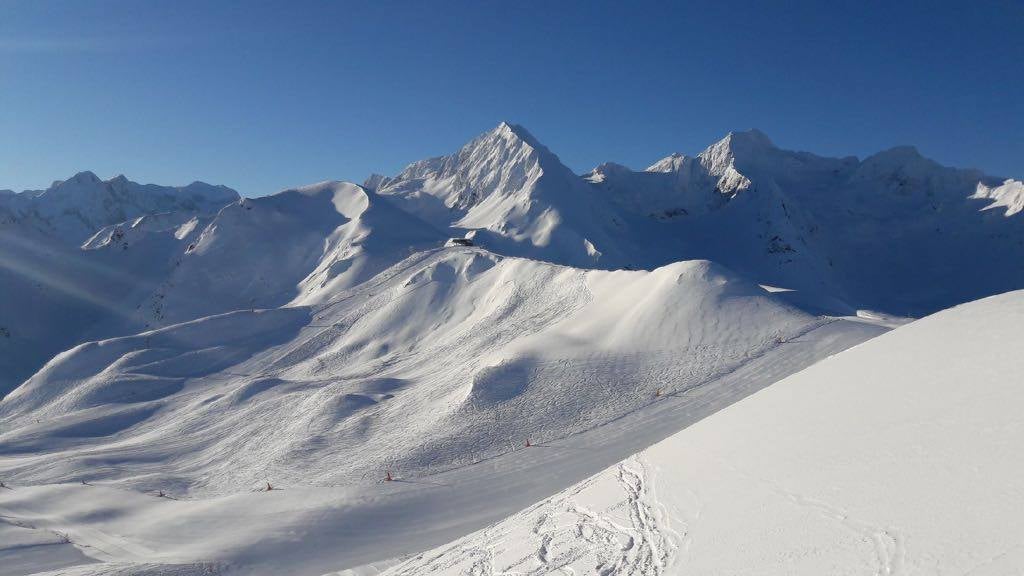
(900, 456)
(323, 381)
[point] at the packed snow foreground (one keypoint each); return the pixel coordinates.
(321, 382)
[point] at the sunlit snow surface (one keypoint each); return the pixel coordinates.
(180, 350)
(900, 456)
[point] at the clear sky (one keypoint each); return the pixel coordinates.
(266, 95)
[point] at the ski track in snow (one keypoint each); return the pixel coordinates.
(633, 536)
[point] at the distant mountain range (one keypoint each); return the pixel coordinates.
(895, 233)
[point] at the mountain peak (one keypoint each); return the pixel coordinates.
(897, 158)
(601, 172)
(84, 177)
(745, 146)
(119, 182)
(375, 181)
(671, 163)
(902, 153)
(515, 131)
(746, 142)
(508, 141)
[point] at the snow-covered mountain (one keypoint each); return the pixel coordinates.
(195, 344)
(77, 258)
(74, 209)
(516, 197)
(893, 232)
(300, 246)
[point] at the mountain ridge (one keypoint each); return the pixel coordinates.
(894, 232)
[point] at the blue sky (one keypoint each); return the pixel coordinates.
(265, 95)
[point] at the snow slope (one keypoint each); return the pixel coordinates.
(77, 258)
(530, 350)
(295, 245)
(896, 457)
(320, 401)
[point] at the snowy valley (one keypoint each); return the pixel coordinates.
(711, 365)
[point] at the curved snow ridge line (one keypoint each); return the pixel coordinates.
(373, 288)
(760, 352)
